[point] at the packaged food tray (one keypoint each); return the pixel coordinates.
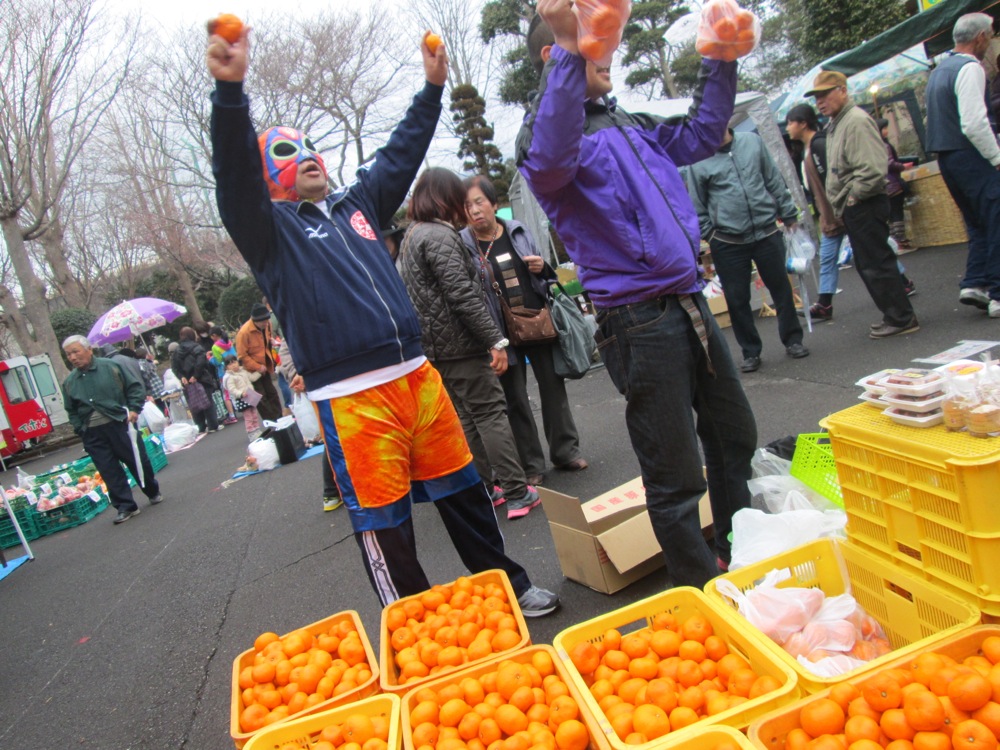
(369, 687)
(925, 499)
(912, 611)
(769, 732)
(389, 672)
(302, 732)
(682, 602)
(523, 656)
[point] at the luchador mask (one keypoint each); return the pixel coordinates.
(282, 150)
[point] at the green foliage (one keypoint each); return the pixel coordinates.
(644, 46)
(828, 27)
(509, 18)
(72, 321)
(236, 301)
(476, 145)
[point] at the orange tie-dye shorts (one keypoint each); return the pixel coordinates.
(394, 444)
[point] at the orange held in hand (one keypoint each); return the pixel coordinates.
(228, 26)
(433, 41)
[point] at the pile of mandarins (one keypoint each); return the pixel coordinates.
(665, 677)
(356, 732)
(934, 703)
(299, 671)
(516, 706)
(449, 626)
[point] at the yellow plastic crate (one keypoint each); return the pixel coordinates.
(597, 739)
(913, 612)
(301, 733)
(389, 672)
(709, 738)
(922, 497)
(369, 687)
(769, 731)
(682, 602)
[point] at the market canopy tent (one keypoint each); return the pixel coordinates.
(931, 27)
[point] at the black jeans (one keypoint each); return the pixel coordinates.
(733, 264)
(867, 225)
(390, 555)
(109, 446)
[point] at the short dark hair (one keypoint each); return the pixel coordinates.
(201, 327)
(438, 194)
(539, 36)
(187, 334)
(482, 182)
(803, 113)
(881, 122)
(228, 360)
(140, 352)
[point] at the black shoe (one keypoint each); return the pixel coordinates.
(124, 515)
(818, 312)
(750, 364)
(885, 330)
(796, 351)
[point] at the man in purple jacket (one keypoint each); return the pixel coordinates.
(608, 180)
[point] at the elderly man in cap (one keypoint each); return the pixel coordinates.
(856, 188)
(255, 350)
(958, 130)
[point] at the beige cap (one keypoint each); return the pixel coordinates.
(825, 81)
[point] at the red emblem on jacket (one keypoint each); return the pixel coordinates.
(362, 227)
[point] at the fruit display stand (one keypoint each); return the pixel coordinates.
(304, 732)
(923, 498)
(246, 659)
(768, 732)
(389, 674)
(524, 656)
(73, 513)
(913, 612)
(682, 602)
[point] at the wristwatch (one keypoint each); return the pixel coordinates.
(501, 345)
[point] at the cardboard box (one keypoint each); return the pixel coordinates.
(608, 542)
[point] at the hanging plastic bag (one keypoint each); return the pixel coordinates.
(599, 28)
(758, 535)
(305, 416)
(726, 31)
(777, 612)
(179, 435)
(265, 452)
(798, 244)
(155, 419)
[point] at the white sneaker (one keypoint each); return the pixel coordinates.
(994, 309)
(975, 296)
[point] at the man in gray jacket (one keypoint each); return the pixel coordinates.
(740, 195)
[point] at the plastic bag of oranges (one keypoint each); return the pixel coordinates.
(726, 31)
(599, 27)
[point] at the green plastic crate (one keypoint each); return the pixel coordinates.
(814, 465)
(154, 449)
(25, 519)
(71, 514)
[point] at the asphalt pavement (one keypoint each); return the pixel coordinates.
(119, 637)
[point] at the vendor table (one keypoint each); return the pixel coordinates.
(933, 217)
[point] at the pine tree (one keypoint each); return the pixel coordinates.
(476, 146)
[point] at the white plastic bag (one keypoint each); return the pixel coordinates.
(776, 612)
(758, 535)
(286, 421)
(798, 243)
(155, 419)
(266, 453)
(782, 493)
(767, 464)
(305, 416)
(179, 435)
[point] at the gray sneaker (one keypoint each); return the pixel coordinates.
(523, 505)
(536, 602)
(156, 500)
(124, 515)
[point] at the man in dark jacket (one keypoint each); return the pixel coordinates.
(608, 180)
(739, 195)
(390, 431)
(190, 365)
(101, 398)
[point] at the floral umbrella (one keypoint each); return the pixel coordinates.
(133, 317)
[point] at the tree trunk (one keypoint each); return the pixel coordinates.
(36, 308)
(668, 77)
(13, 319)
(65, 282)
(190, 300)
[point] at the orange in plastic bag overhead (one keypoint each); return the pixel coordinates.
(600, 25)
(726, 31)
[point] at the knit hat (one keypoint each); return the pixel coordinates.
(259, 312)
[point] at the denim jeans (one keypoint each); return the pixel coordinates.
(655, 359)
(829, 253)
(975, 185)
